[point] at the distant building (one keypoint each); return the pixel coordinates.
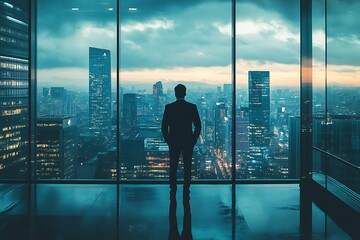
(129, 119)
(242, 130)
(159, 100)
(221, 129)
(106, 164)
(56, 148)
(58, 92)
(158, 89)
(228, 91)
(259, 121)
(55, 101)
(100, 92)
(294, 147)
(132, 158)
(14, 84)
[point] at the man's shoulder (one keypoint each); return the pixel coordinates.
(183, 103)
(170, 105)
(192, 105)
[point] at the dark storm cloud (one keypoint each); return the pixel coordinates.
(58, 18)
(191, 41)
(287, 9)
(182, 33)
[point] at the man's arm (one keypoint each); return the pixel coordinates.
(165, 124)
(197, 124)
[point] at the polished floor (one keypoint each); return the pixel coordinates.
(105, 211)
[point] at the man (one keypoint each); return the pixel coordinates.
(177, 130)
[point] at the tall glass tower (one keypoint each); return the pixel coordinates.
(259, 121)
(99, 92)
(130, 114)
(14, 129)
(159, 102)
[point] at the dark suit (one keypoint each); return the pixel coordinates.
(177, 122)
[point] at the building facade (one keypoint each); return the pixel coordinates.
(56, 148)
(259, 121)
(100, 92)
(14, 87)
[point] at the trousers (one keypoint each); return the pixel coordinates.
(174, 152)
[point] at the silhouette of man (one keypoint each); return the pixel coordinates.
(177, 129)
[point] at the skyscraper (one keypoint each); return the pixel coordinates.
(294, 147)
(14, 128)
(158, 95)
(56, 148)
(221, 123)
(259, 120)
(242, 132)
(130, 114)
(55, 101)
(100, 92)
(158, 89)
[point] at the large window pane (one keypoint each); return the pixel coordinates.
(337, 117)
(343, 90)
(267, 75)
(163, 44)
(76, 103)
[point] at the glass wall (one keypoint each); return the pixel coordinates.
(336, 120)
(162, 45)
(76, 89)
(101, 90)
(343, 90)
(268, 89)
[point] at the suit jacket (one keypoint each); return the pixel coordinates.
(177, 123)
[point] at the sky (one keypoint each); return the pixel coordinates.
(190, 40)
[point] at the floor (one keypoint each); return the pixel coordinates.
(93, 211)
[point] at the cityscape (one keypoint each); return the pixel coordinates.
(83, 88)
(89, 133)
(81, 127)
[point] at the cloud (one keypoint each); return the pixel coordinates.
(173, 35)
(73, 50)
(154, 24)
(277, 29)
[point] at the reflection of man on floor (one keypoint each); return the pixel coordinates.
(177, 123)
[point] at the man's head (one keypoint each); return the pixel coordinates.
(180, 91)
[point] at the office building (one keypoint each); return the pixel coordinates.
(221, 128)
(14, 87)
(242, 130)
(100, 92)
(56, 148)
(159, 99)
(129, 119)
(259, 121)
